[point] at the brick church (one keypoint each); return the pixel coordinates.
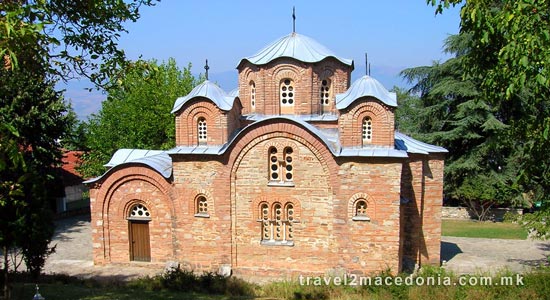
(298, 171)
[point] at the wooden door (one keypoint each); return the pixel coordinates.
(140, 248)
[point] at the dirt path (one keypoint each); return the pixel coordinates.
(462, 255)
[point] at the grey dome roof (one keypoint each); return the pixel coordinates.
(297, 46)
(363, 87)
(210, 91)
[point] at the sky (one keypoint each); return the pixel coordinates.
(396, 35)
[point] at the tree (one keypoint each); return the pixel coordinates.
(71, 38)
(33, 117)
(453, 113)
(510, 56)
(136, 113)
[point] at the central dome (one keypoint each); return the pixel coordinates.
(297, 46)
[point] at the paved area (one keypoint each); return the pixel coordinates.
(73, 254)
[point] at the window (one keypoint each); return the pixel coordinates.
(325, 92)
(201, 207)
(280, 167)
(202, 133)
(287, 96)
(367, 130)
(277, 227)
(252, 96)
(140, 212)
(360, 213)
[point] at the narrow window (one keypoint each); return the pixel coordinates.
(273, 164)
(278, 222)
(288, 163)
(289, 210)
(201, 207)
(281, 171)
(367, 130)
(287, 96)
(202, 133)
(266, 226)
(360, 213)
(277, 227)
(252, 96)
(325, 92)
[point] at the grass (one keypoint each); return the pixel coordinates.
(475, 229)
(535, 286)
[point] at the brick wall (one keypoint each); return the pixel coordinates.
(351, 119)
(307, 80)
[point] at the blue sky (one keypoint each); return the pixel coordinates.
(396, 34)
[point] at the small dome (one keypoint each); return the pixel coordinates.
(363, 87)
(297, 46)
(210, 91)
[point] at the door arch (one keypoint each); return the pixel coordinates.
(138, 231)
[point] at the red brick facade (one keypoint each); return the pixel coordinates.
(270, 195)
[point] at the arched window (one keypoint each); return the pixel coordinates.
(367, 130)
(288, 163)
(202, 131)
(202, 206)
(281, 169)
(287, 96)
(139, 211)
(277, 227)
(273, 164)
(360, 211)
(325, 92)
(252, 96)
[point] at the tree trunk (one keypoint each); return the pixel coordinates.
(6, 274)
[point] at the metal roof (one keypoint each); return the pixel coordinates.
(234, 92)
(210, 91)
(407, 143)
(158, 160)
(363, 87)
(297, 46)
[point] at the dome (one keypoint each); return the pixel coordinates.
(297, 46)
(364, 87)
(210, 91)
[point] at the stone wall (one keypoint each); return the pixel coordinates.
(495, 214)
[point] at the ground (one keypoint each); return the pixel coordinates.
(461, 255)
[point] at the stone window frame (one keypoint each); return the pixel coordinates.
(202, 131)
(252, 96)
(281, 165)
(202, 206)
(277, 223)
(139, 212)
(367, 130)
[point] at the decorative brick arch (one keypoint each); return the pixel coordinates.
(186, 121)
(110, 215)
(191, 205)
(263, 130)
(382, 119)
(371, 205)
(270, 201)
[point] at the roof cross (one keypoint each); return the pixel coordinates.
(293, 19)
(206, 67)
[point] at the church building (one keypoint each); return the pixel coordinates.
(298, 171)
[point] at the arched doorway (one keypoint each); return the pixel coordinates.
(138, 230)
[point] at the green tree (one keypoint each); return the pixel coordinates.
(34, 118)
(136, 113)
(71, 38)
(510, 56)
(451, 112)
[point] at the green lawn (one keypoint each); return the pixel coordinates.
(475, 229)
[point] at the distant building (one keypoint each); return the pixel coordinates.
(298, 171)
(72, 182)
